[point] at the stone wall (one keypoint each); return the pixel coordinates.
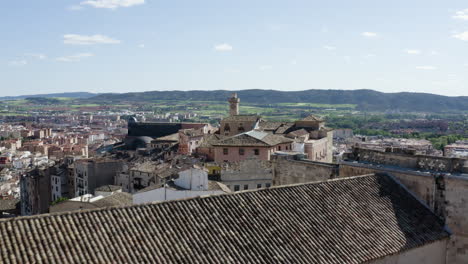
(250, 173)
(433, 253)
(35, 191)
(446, 195)
(415, 162)
(290, 171)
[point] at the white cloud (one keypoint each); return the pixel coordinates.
(38, 56)
(18, 63)
(426, 67)
(347, 59)
(112, 4)
(329, 47)
(75, 39)
(223, 47)
(434, 52)
(461, 36)
(75, 7)
(462, 14)
(293, 62)
(370, 55)
(265, 67)
(369, 34)
(74, 58)
(141, 46)
(413, 51)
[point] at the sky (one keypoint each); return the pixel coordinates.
(54, 46)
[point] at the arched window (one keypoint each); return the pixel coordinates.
(227, 128)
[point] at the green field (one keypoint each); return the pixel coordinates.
(274, 112)
(314, 105)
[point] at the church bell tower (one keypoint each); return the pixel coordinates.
(234, 105)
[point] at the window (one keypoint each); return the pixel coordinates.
(259, 186)
(279, 147)
(267, 185)
(227, 128)
(256, 152)
(225, 151)
(236, 188)
(241, 152)
(246, 187)
(286, 147)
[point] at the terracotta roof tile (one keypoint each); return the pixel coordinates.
(353, 220)
(253, 138)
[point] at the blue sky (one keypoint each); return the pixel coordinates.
(51, 46)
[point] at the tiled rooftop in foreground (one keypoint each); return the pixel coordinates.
(350, 220)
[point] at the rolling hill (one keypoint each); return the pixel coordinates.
(364, 99)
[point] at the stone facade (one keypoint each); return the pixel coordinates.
(240, 153)
(234, 105)
(36, 191)
(406, 159)
(234, 125)
(290, 171)
(92, 173)
(247, 175)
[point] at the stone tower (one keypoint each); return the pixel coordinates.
(234, 105)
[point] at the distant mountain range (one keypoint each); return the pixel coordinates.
(364, 99)
(53, 95)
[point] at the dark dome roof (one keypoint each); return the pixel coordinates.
(137, 142)
(147, 140)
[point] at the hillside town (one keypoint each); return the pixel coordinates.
(333, 194)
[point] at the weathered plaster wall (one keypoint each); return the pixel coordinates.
(71, 206)
(456, 199)
(234, 156)
(317, 150)
(433, 253)
(288, 171)
(168, 194)
(250, 172)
